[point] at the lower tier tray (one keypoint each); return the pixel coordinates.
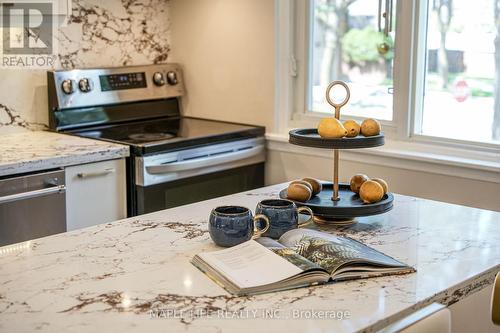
(348, 207)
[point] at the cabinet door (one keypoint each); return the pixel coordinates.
(96, 193)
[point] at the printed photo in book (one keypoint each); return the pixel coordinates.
(301, 257)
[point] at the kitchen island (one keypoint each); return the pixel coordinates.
(135, 275)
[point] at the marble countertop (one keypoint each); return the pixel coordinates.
(42, 150)
(135, 275)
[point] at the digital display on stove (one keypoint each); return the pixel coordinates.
(123, 81)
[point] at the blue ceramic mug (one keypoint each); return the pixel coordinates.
(233, 225)
(283, 216)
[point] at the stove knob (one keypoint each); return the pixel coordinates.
(67, 87)
(85, 85)
(158, 79)
(172, 78)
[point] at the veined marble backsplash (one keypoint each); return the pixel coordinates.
(98, 34)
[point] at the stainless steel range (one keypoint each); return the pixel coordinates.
(174, 160)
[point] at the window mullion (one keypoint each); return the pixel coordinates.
(301, 53)
(419, 67)
(284, 49)
(404, 63)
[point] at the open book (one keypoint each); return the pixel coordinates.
(301, 257)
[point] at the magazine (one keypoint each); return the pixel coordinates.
(300, 257)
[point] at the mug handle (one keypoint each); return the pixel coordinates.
(309, 212)
(256, 231)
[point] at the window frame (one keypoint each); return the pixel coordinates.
(408, 74)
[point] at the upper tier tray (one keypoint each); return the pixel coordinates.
(309, 137)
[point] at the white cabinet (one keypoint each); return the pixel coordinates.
(95, 193)
(472, 313)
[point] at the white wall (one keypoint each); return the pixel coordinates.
(227, 50)
(283, 166)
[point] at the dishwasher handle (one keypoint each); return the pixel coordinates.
(33, 194)
(205, 161)
(105, 172)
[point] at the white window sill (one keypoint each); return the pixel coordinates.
(417, 156)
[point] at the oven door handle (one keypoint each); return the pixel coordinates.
(205, 161)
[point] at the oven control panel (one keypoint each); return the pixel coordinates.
(123, 81)
(98, 87)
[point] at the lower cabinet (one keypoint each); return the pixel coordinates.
(473, 313)
(95, 193)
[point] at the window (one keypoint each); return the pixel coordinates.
(346, 44)
(463, 64)
(443, 61)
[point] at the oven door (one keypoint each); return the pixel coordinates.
(184, 191)
(191, 175)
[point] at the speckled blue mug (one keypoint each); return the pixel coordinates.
(283, 216)
(233, 225)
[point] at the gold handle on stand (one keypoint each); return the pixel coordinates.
(337, 106)
(335, 196)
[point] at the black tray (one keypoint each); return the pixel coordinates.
(309, 137)
(349, 205)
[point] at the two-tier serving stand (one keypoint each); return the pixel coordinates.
(336, 204)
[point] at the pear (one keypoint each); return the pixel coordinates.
(357, 181)
(298, 192)
(331, 128)
(370, 127)
(383, 183)
(303, 182)
(371, 192)
(352, 128)
(315, 185)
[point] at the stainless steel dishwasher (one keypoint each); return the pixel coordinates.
(32, 206)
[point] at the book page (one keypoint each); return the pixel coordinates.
(288, 254)
(331, 252)
(250, 264)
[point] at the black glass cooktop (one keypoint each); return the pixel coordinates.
(159, 135)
